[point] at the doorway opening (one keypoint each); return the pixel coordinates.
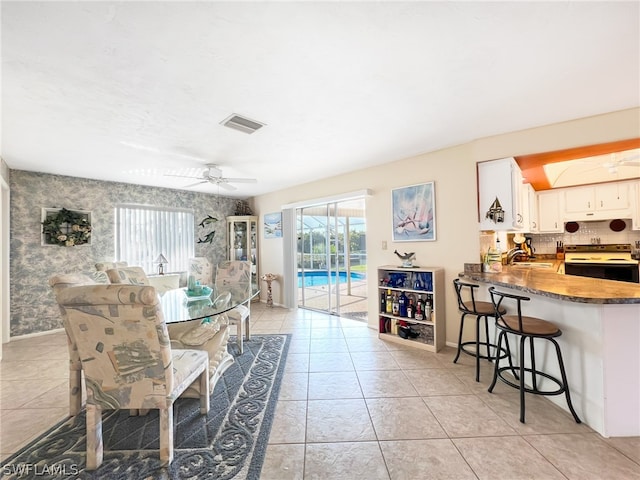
(332, 258)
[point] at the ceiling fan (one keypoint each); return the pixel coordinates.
(621, 160)
(212, 174)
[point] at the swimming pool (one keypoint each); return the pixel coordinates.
(317, 278)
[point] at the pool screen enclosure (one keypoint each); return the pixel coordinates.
(331, 257)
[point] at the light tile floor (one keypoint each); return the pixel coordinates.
(354, 407)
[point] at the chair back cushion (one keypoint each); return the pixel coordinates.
(123, 344)
(66, 280)
(104, 266)
(233, 271)
(128, 275)
(201, 270)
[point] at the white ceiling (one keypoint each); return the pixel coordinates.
(132, 91)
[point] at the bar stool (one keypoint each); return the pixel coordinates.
(481, 310)
(527, 328)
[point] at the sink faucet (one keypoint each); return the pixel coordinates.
(513, 253)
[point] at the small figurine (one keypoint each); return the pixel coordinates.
(406, 258)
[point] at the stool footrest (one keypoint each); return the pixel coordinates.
(473, 353)
(562, 388)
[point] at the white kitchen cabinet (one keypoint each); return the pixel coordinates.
(501, 180)
(549, 212)
(532, 203)
(635, 215)
(529, 208)
(598, 202)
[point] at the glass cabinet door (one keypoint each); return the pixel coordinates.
(243, 241)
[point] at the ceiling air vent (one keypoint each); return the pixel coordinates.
(241, 123)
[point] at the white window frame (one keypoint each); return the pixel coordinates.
(143, 232)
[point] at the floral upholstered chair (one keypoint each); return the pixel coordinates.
(210, 335)
(59, 283)
(228, 274)
(128, 362)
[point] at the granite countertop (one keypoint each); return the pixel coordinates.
(548, 283)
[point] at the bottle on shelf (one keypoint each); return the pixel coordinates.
(389, 303)
(419, 315)
(395, 306)
(428, 308)
(383, 301)
(402, 304)
(410, 308)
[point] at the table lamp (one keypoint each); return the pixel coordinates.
(161, 260)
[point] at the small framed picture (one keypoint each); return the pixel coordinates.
(414, 213)
(273, 225)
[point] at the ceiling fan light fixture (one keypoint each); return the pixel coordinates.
(242, 124)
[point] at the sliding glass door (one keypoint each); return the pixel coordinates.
(331, 257)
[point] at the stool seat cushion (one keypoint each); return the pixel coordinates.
(530, 325)
(482, 308)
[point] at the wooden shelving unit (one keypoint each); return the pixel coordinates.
(415, 283)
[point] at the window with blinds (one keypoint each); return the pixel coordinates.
(143, 233)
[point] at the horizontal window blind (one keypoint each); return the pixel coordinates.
(143, 233)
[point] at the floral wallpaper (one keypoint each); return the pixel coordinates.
(33, 308)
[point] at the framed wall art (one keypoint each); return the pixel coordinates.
(65, 228)
(414, 213)
(273, 225)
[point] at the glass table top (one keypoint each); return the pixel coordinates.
(177, 306)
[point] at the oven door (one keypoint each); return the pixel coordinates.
(621, 273)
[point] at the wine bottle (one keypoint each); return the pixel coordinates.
(410, 308)
(389, 305)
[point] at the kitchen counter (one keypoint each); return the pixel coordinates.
(546, 282)
(600, 321)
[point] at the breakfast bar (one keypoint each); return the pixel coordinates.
(600, 321)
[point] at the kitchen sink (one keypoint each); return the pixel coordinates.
(532, 264)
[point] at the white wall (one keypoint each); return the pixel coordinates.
(454, 173)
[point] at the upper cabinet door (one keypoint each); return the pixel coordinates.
(598, 202)
(612, 196)
(579, 199)
(501, 181)
(549, 205)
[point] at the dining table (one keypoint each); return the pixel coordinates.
(181, 305)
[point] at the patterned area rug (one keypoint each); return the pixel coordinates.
(228, 443)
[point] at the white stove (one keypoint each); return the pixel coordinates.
(609, 261)
(605, 254)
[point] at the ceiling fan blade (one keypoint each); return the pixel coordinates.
(226, 186)
(180, 176)
(197, 183)
(240, 180)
